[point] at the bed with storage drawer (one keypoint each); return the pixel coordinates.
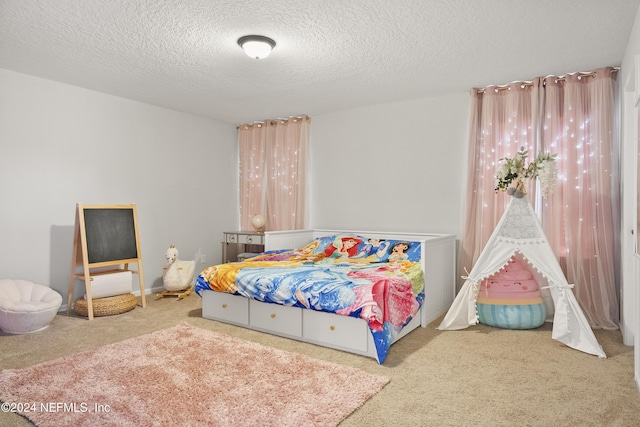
(353, 291)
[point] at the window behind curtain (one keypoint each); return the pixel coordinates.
(273, 172)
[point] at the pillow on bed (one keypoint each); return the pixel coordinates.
(403, 250)
(382, 250)
(353, 246)
(339, 246)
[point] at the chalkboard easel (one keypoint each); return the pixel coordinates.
(105, 236)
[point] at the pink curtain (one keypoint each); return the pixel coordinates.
(575, 117)
(251, 145)
(581, 217)
(501, 121)
(273, 172)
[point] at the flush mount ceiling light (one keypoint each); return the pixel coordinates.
(257, 47)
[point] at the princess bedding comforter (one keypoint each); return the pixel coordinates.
(380, 281)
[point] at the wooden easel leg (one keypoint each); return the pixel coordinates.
(87, 282)
(141, 281)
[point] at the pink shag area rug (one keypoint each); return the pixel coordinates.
(186, 376)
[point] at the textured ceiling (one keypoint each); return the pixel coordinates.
(330, 55)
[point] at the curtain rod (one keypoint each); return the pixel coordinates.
(530, 83)
(274, 121)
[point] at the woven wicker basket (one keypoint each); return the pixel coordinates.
(106, 306)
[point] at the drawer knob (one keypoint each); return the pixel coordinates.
(224, 305)
(333, 328)
(273, 315)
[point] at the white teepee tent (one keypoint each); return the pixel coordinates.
(520, 233)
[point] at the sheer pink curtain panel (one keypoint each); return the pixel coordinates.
(273, 172)
(502, 120)
(580, 218)
(286, 174)
(252, 154)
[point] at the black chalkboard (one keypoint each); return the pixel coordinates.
(110, 234)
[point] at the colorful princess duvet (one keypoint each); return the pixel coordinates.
(380, 281)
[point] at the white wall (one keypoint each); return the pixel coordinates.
(630, 94)
(398, 166)
(394, 166)
(62, 144)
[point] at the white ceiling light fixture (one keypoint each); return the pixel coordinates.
(257, 47)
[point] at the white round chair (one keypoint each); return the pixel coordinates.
(26, 307)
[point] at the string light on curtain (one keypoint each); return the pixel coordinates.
(257, 47)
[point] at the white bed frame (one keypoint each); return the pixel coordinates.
(332, 330)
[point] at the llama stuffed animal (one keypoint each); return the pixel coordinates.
(178, 274)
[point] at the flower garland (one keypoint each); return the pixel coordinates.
(514, 169)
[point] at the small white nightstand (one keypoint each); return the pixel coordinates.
(238, 242)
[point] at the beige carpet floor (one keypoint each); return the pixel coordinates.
(480, 376)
